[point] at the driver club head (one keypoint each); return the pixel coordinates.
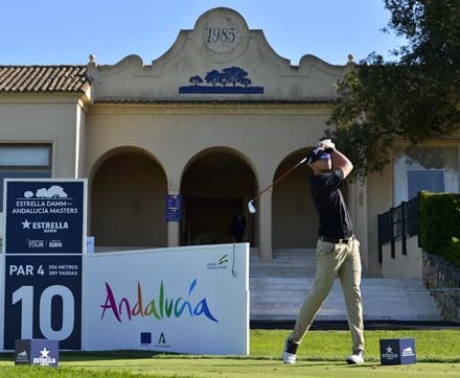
(251, 207)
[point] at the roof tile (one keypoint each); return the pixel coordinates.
(39, 79)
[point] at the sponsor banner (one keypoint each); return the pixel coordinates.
(45, 216)
(397, 351)
(36, 352)
(185, 300)
(43, 299)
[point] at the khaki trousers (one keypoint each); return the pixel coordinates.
(344, 260)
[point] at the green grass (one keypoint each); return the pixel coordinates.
(431, 346)
(321, 354)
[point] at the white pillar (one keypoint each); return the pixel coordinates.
(265, 226)
(357, 205)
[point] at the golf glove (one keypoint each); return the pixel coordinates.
(328, 142)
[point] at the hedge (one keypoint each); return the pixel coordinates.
(439, 217)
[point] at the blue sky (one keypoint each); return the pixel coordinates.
(67, 32)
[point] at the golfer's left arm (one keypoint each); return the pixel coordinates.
(340, 161)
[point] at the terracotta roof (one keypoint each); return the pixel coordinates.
(40, 79)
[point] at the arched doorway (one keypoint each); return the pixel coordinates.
(128, 202)
(295, 220)
(215, 186)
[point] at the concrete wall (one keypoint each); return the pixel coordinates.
(43, 119)
(50, 119)
(174, 134)
(379, 200)
(409, 267)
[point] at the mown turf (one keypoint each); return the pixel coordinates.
(320, 355)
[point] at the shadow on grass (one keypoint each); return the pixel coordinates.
(69, 356)
(76, 356)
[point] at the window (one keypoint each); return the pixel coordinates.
(433, 169)
(430, 180)
(24, 161)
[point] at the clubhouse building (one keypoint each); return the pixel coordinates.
(173, 148)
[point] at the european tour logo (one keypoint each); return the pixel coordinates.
(161, 307)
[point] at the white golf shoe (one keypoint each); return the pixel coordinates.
(357, 358)
(290, 352)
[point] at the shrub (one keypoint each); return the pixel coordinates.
(439, 216)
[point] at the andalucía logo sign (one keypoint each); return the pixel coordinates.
(160, 307)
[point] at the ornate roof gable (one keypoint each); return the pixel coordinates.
(220, 59)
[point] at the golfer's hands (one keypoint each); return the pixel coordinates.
(326, 143)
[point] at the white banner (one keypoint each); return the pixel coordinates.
(186, 300)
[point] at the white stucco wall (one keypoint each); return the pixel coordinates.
(50, 119)
(43, 119)
(175, 134)
(403, 266)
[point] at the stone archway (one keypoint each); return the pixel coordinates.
(215, 186)
(295, 220)
(128, 202)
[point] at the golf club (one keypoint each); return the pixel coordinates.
(252, 209)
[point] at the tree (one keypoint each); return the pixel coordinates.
(414, 98)
(212, 77)
(223, 79)
(235, 75)
(195, 80)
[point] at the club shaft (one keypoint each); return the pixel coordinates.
(278, 179)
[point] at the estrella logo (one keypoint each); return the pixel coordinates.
(160, 308)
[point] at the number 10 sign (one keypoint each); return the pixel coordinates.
(43, 299)
(45, 230)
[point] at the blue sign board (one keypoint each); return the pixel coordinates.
(44, 242)
(43, 296)
(36, 352)
(45, 217)
(397, 351)
(174, 208)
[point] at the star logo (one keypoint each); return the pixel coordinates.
(26, 224)
(45, 353)
(389, 350)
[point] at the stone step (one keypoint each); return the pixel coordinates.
(286, 263)
(278, 288)
(383, 299)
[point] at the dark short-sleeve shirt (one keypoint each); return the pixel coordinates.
(334, 218)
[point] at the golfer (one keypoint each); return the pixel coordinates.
(337, 251)
(238, 227)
